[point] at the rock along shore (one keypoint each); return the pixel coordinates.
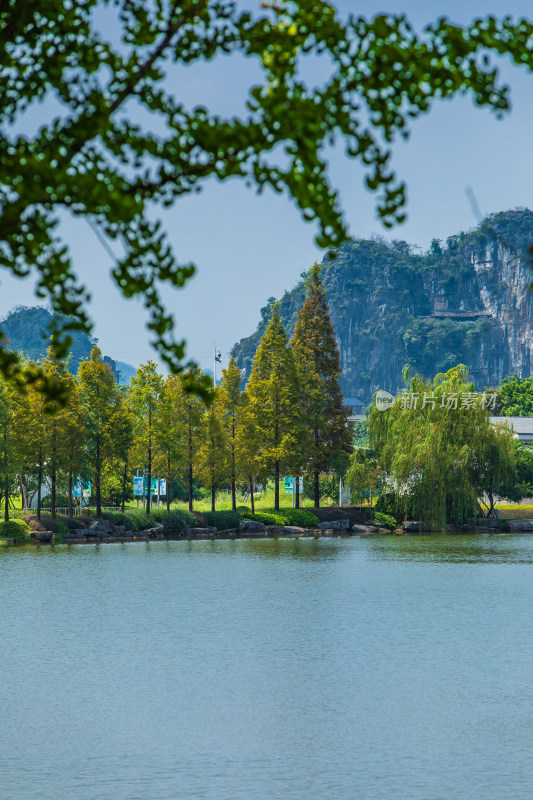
(103, 532)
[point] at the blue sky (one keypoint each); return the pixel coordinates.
(249, 247)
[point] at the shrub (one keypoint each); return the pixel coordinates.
(116, 518)
(158, 514)
(46, 523)
(63, 528)
(244, 510)
(177, 521)
(138, 520)
(298, 516)
(285, 516)
(263, 516)
(14, 529)
(385, 521)
(222, 519)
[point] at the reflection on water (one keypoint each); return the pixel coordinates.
(384, 668)
(482, 549)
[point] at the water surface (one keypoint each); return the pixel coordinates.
(384, 668)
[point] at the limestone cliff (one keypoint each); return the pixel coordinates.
(467, 300)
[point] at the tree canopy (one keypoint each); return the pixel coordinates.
(438, 452)
(98, 157)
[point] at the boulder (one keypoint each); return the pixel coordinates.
(199, 531)
(519, 524)
(42, 536)
(99, 526)
(363, 530)
(251, 526)
(411, 525)
(284, 530)
(335, 525)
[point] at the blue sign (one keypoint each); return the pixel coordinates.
(138, 486)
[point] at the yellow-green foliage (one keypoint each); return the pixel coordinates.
(439, 457)
(14, 529)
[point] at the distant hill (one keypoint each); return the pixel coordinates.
(28, 331)
(467, 300)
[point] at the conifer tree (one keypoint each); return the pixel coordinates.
(317, 354)
(192, 417)
(57, 419)
(247, 446)
(146, 389)
(273, 402)
(8, 460)
(99, 395)
(169, 432)
(73, 441)
(213, 451)
(232, 404)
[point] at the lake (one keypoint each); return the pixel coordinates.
(390, 668)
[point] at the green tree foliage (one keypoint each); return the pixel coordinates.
(168, 431)
(146, 391)
(99, 396)
(57, 451)
(440, 460)
(316, 353)
(92, 161)
(191, 412)
(214, 451)
(9, 465)
(232, 401)
(515, 397)
(273, 403)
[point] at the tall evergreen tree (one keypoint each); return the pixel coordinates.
(247, 447)
(273, 402)
(213, 452)
(146, 390)
(99, 395)
(317, 354)
(169, 431)
(8, 454)
(232, 404)
(192, 416)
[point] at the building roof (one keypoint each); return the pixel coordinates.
(520, 425)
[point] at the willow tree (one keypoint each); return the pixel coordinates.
(317, 355)
(438, 449)
(273, 402)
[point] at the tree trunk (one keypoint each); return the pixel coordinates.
(190, 463)
(124, 480)
(276, 487)
(98, 476)
(39, 483)
(233, 486)
(168, 483)
(316, 481)
(297, 493)
(53, 492)
(213, 492)
(70, 504)
(252, 494)
(24, 486)
(149, 493)
(6, 484)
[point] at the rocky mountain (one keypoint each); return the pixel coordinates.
(466, 300)
(27, 330)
